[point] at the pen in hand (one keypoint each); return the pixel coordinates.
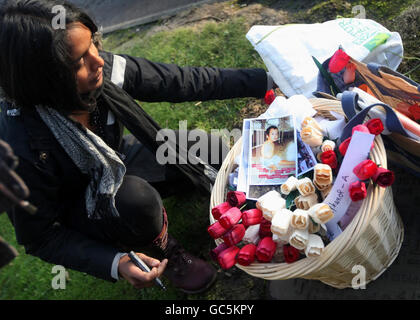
(143, 266)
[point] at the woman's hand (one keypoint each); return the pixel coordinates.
(138, 278)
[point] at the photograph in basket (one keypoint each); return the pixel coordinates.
(306, 159)
(272, 155)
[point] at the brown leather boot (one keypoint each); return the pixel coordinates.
(187, 272)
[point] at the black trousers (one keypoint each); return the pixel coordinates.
(139, 199)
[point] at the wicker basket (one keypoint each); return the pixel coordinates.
(372, 240)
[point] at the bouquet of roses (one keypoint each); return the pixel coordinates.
(286, 226)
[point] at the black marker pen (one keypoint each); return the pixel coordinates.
(140, 263)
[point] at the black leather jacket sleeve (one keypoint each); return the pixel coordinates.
(152, 82)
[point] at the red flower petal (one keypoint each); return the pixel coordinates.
(338, 61)
(230, 218)
(246, 255)
(357, 191)
(216, 230)
(236, 198)
(227, 258)
(251, 217)
(365, 169)
(266, 249)
(344, 146)
(220, 209)
(329, 157)
(375, 126)
(291, 254)
(234, 235)
(214, 254)
(269, 97)
(383, 177)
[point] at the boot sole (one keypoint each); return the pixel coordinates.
(211, 282)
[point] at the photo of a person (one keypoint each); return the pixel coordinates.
(273, 153)
(271, 150)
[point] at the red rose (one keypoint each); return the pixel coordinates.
(291, 254)
(220, 209)
(214, 254)
(383, 177)
(266, 249)
(414, 111)
(361, 128)
(338, 61)
(375, 126)
(227, 258)
(216, 230)
(234, 235)
(365, 169)
(236, 198)
(230, 218)
(357, 191)
(269, 97)
(246, 255)
(329, 157)
(265, 228)
(251, 217)
(344, 146)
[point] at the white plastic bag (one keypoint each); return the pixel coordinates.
(287, 50)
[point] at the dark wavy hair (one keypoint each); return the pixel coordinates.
(35, 62)
(267, 131)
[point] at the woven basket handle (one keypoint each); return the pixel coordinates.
(349, 103)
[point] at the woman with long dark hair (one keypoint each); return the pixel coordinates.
(99, 193)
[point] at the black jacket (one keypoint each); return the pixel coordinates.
(60, 232)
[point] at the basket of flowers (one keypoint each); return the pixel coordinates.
(283, 234)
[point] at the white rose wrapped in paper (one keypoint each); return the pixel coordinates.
(321, 213)
(315, 246)
(327, 145)
(309, 121)
(299, 239)
(305, 202)
(305, 186)
(289, 186)
(270, 203)
(323, 176)
(252, 234)
(311, 136)
(280, 224)
(300, 219)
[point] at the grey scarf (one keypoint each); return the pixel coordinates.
(93, 157)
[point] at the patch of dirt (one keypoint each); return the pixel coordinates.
(220, 12)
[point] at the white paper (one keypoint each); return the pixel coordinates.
(333, 129)
(242, 174)
(297, 105)
(339, 198)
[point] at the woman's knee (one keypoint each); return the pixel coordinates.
(140, 206)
